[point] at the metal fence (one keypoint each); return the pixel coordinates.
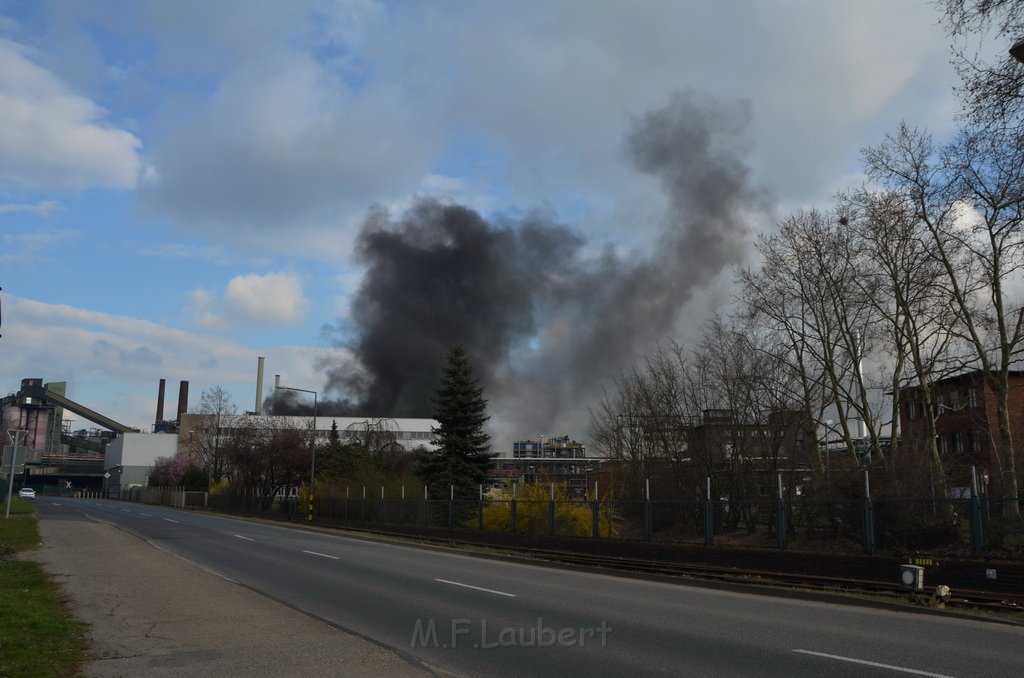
(975, 526)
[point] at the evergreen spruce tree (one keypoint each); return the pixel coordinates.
(463, 458)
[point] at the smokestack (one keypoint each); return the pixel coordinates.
(160, 401)
(182, 400)
(259, 385)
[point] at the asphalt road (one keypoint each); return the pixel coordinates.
(475, 617)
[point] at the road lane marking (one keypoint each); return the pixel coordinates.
(53, 503)
(322, 555)
(476, 588)
(145, 515)
(170, 520)
(126, 510)
(875, 664)
(245, 538)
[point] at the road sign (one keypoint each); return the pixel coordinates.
(107, 474)
(19, 461)
(16, 437)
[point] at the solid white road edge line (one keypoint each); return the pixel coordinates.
(245, 538)
(476, 588)
(170, 520)
(322, 555)
(876, 664)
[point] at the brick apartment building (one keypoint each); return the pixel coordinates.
(966, 425)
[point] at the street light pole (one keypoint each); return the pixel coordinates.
(312, 463)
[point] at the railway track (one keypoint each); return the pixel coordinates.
(963, 598)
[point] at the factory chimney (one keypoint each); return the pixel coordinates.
(160, 401)
(182, 400)
(259, 385)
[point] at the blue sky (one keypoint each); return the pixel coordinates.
(181, 182)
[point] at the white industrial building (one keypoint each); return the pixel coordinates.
(407, 433)
(130, 458)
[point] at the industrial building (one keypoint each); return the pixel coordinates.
(557, 459)
(112, 457)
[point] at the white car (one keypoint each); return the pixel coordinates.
(27, 493)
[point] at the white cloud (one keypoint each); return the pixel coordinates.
(283, 146)
(53, 138)
(273, 298)
(113, 363)
(361, 103)
(43, 208)
(204, 310)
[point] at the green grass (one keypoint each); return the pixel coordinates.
(38, 637)
(17, 506)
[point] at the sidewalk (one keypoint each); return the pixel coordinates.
(152, 614)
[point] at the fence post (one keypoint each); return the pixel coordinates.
(347, 495)
(401, 508)
(647, 509)
(512, 509)
(977, 527)
(382, 505)
(869, 517)
(362, 505)
(451, 507)
(551, 512)
(595, 512)
(480, 509)
(426, 506)
(709, 518)
(780, 518)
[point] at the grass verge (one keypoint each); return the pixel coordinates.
(38, 637)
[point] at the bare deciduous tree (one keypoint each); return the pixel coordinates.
(993, 85)
(970, 199)
(265, 455)
(216, 408)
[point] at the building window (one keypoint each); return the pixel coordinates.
(954, 400)
(972, 398)
(975, 442)
(958, 442)
(911, 411)
(943, 445)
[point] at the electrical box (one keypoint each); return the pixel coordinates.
(912, 577)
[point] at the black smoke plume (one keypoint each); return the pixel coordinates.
(546, 321)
